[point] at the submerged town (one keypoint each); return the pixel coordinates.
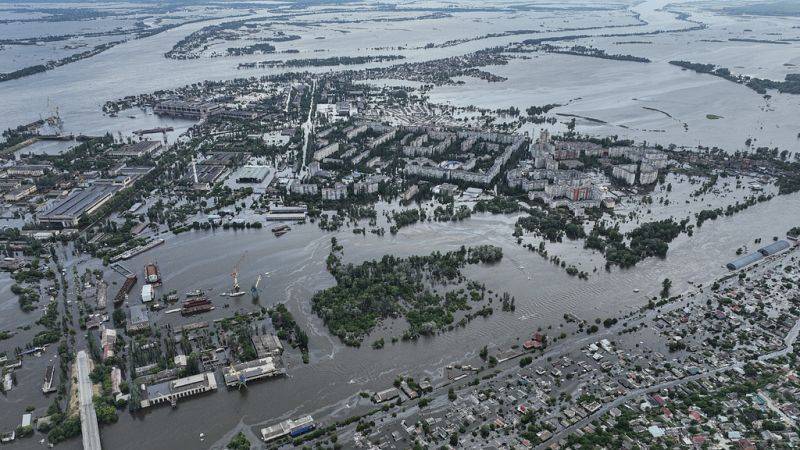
(317, 230)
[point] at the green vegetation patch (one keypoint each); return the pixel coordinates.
(395, 287)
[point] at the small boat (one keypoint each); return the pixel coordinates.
(236, 294)
(636, 291)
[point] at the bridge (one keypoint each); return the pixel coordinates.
(89, 428)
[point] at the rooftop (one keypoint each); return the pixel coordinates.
(79, 202)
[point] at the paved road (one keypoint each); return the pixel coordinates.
(89, 428)
(308, 125)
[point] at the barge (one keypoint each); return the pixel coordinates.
(122, 295)
(196, 305)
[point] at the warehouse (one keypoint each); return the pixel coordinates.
(284, 217)
(744, 261)
(252, 370)
(139, 319)
(136, 150)
(774, 248)
(252, 174)
(67, 212)
(171, 391)
(296, 209)
(180, 108)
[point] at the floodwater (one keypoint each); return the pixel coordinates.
(296, 267)
(612, 91)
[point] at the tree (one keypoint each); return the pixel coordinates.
(666, 285)
(239, 442)
(119, 317)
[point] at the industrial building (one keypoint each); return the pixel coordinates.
(775, 247)
(746, 260)
(171, 391)
(277, 138)
(768, 250)
(203, 176)
(236, 114)
(138, 319)
(296, 209)
(267, 345)
(19, 193)
(68, 212)
(252, 174)
(385, 395)
(136, 150)
(180, 108)
(28, 170)
(257, 369)
(288, 428)
(293, 217)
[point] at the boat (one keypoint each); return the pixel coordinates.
(153, 131)
(281, 228)
(151, 274)
(47, 385)
(196, 305)
(235, 294)
(195, 293)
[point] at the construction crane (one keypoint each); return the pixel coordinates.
(54, 119)
(235, 275)
(254, 289)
